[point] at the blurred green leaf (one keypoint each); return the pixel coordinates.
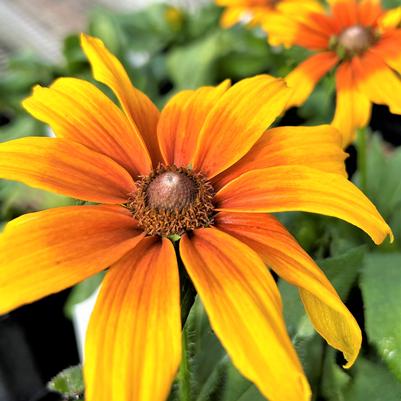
(371, 382)
(69, 383)
(81, 292)
(381, 290)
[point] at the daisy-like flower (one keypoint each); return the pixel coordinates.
(204, 169)
(254, 11)
(362, 42)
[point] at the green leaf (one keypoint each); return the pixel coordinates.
(381, 290)
(372, 382)
(69, 383)
(193, 65)
(81, 292)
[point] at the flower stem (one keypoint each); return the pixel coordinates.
(184, 390)
(361, 147)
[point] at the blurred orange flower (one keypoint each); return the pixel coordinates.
(357, 38)
(254, 11)
(205, 169)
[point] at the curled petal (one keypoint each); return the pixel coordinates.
(298, 188)
(279, 250)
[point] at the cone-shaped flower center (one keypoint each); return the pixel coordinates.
(172, 201)
(171, 190)
(356, 39)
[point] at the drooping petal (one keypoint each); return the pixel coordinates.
(377, 81)
(388, 48)
(77, 110)
(65, 167)
(133, 343)
(353, 108)
(299, 188)
(181, 122)
(45, 252)
(139, 108)
(237, 121)
(244, 309)
(279, 250)
(318, 147)
(304, 78)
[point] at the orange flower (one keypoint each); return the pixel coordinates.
(363, 43)
(204, 169)
(254, 11)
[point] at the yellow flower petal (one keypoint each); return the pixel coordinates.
(139, 108)
(244, 309)
(181, 122)
(279, 250)
(299, 188)
(78, 111)
(133, 343)
(45, 252)
(65, 167)
(318, 147)
(237, 121)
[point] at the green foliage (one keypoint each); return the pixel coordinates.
(69, 383)
(381, 289)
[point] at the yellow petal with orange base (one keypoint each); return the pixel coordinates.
(244, 308)
(279, 250)
(238, 119)
(304, 77)
(77, 110)
(181, 121)
(141, 111)
(65, 167)
(299, 188)
(317, 147)
(378, 81)
(388, 49)
(133, 343)
(353, 108)
(45, 252)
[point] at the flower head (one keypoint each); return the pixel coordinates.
(254, 11)
(204, 169)
(357, 38)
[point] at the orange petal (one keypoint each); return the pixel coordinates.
(133, 343)
(299, 188)
(78, 111)
(377, 81)
(181, 122)
(318, 147)
(65, 167)
(304, 78)
(345, 13)
(353, 108)
(237, 121)
(45, 252)
(244, 309)
(141, 111)
(279, 250)
(388, 48)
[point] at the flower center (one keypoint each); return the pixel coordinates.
(172, 201)
(356, 39)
